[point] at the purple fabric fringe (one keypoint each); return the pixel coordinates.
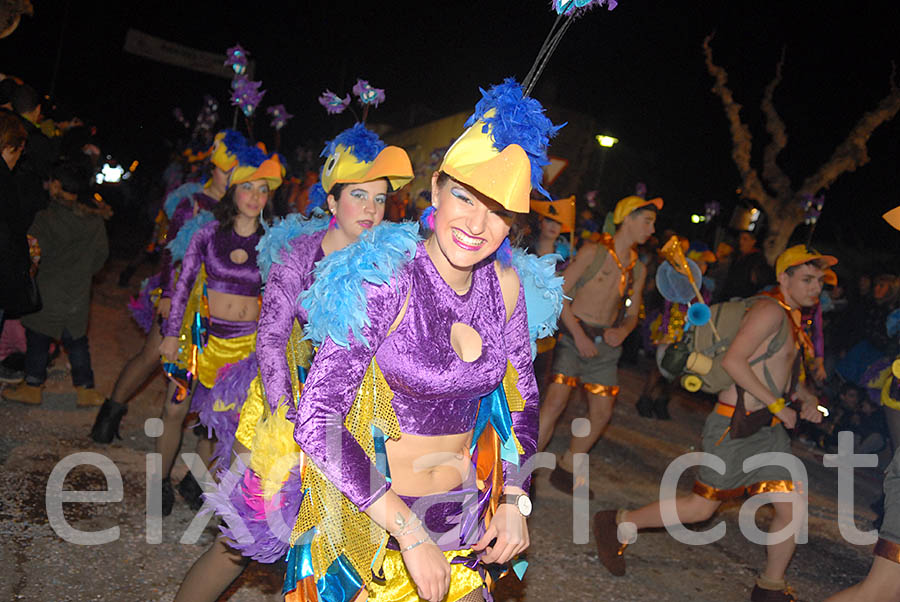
(141, 307)
(238, 501)
(232, 384)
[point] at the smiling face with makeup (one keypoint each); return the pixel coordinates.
(468, 226)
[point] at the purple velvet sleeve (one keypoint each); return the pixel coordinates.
(276, 319)
(329, 393)
(183, 212)
(525, 423)
(190, 267)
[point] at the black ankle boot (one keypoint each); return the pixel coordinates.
(106, 425)
(644, 406)
(191, 491)
(661, 409)
(168, 496)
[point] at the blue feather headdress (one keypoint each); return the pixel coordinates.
(516, 119)
(363, 143)
(317, 198)
(250, 155)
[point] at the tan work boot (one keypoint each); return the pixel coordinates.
(23, 393)
(89, 398)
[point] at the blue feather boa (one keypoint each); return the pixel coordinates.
(185, 191)
(336, 302)
(278, 237)
(543, 292)
(179, 246)
(518, 120)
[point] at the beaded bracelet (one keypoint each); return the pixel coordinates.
(415, 545)
(777, 405)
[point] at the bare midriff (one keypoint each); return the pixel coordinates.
(231, 307)
(425, 465)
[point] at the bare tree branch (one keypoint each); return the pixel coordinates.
(772, 173)
(751, 186)
(852, 152)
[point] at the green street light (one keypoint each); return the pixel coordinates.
(606, 141)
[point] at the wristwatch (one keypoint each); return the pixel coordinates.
(521, 501)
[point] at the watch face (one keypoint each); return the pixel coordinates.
(524, 505)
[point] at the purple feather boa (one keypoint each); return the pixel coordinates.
(238, 500)
(142, 307)
(232, 383)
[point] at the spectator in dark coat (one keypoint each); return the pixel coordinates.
(40, 153)
(749, 272)
(72, 236)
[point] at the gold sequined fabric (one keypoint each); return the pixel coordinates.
(340, 527)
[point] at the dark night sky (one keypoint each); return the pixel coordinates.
(639, 70)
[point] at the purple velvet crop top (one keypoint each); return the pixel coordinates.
(280, 306)
(212, 248)
(184, 211)
(435, 392)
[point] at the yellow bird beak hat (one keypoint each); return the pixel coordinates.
(253, 163)
(358, 155)
(223, 151)
(504, 149)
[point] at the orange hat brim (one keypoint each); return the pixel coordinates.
(565, 211)
(391, 163)
(893, 217)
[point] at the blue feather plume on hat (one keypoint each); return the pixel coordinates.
(518, 120)
(363, 143)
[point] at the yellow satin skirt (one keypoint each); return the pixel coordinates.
(219, 352)
(399, 586)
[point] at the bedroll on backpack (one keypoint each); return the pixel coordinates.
(696, 361)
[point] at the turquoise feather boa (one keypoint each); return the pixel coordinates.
(179, 246)
(185, 191)
(336, 302)
(278, 237)
(543, 292)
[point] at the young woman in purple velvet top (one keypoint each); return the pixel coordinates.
(219, 277)
(398, 396)
(181, 206)
(354, 187)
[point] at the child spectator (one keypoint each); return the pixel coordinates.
(72, 238)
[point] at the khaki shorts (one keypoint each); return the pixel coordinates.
(602, 369)
(735, 482)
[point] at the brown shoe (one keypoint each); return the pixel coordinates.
(89, 398)
(760, 594)
(609, 549)
(563, 480)
(23, 393)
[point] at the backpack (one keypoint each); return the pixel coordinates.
(697, 359)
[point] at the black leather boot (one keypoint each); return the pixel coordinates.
(191, 491)
(661, 409)
(106, 425)
(168, 496)
(644, 406)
